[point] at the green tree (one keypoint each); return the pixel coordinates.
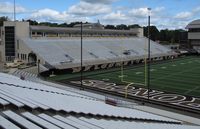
(134, 26)
(2, 19)
(154, 33)
(110, 27)
(32, 22)
(122, 27)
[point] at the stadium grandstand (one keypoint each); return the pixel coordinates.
(59, 48)
(25, 104)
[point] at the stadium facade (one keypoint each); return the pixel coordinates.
(194, 34)
(60, 48)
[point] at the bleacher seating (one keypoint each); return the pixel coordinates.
(66, 53)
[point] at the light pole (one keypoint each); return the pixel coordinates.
(149, 56)
(82, 56)
(14, 12)
(38, 64)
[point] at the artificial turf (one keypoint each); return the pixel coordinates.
(181, 76)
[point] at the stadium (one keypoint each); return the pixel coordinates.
(105, 61)
(88, 77)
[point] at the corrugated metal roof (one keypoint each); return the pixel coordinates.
(13, 120)
(22, 93)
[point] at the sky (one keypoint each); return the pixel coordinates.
(165, 14)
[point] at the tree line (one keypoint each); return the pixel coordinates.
(164, 36)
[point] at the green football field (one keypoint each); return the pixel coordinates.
(180, 76)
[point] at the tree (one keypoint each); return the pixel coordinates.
(134, 26)
(110, 27)
(31, 22)
(2, 19)
(154, 32)
(72, 24)
(63, 25)
(122, 27)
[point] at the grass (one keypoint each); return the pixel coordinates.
(180, 76)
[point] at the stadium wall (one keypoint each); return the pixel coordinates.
(111, 65)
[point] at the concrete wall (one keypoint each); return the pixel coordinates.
(21, 28)
(24, 49)
(194, 35)
(21, 31)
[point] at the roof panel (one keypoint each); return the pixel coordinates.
(117, 124)
(85, 123)
(39, 121)
(73, 103)
(19, 99)
(20, 120)
(11, 100)
(4, 123)
(71, 122)
(3, 102)
(55, 121)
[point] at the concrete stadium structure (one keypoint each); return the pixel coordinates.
(25, 104)
(194, 34)
(60, 48)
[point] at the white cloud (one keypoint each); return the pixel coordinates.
(49, 14)
(99, 1)
(139, 13)
(159, 9)
(89, 9)
(115, 18)
(8, 8)
(46, 14)
(143, 12)
(183, 15)
(106, 12)
(196, 10)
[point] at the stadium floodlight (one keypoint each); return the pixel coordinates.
(149, 56)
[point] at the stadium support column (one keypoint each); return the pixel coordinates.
(38, 67)
(149, 56)
(82, 56)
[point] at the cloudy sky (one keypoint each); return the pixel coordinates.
(170, 14)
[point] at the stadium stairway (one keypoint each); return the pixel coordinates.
(27, 75)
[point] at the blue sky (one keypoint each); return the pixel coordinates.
(172, 14)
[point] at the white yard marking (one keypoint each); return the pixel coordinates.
(182, 63)
(122, 76)
(173, 65)
(152, 70)
(138, 73)
(195, 88)
(163, 67)
(105, 79)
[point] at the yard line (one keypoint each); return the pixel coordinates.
(194, 89)
(138, 73)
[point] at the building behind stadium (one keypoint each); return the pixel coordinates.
(194, 34)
